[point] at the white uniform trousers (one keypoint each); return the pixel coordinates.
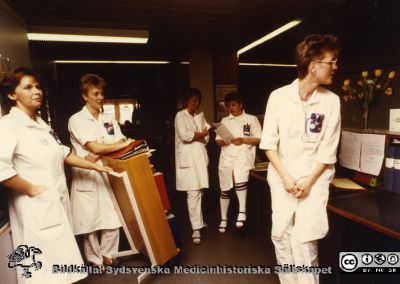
(289, 250)
(194, 207)
(94, 251)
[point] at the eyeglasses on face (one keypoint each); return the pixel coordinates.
(330, 62)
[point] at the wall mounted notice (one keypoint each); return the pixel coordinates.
(362, 152)
(350, 150)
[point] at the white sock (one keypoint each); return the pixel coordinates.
(241, 192)
(224, 201)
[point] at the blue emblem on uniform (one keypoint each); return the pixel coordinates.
(109, 128)
(316, 122)
(21, 253)
(246, 129)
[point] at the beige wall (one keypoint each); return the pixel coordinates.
(201, 77)
(13, 39)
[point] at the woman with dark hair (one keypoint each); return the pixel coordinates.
(32, 165)
(237, 157)
(300, 137)
(191, 160)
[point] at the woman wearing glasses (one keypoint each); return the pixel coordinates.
(300, 137)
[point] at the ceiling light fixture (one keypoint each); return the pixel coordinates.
(109, 62)
(72, 34)
(268, 64)
(270, 35)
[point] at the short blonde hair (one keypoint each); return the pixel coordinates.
(311, 48)
(91, 80)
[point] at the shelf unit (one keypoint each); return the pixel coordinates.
(389, 137)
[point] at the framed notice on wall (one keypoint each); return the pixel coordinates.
(221, 90)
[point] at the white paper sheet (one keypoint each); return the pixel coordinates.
(372, 153)
(394, 120)
(125, 113)
(362, 152)
(350, 150)
(224, 133)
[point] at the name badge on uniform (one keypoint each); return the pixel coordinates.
(52, 133)
(246, 129)
(109, 128)
(316, 122)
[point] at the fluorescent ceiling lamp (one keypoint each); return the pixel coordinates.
(257, 64)
(268, 64)
(109, 62)
(269, 36)
(71, 34)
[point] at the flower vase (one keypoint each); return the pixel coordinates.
(365, 117)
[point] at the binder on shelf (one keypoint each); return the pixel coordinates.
(174, 229)
(367, 179)
(389, 170)
(396, 168)
(162, 190)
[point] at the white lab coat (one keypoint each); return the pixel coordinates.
(238, 159)
(92, 208)
(191, 159)
(285, 131)
(29, 150)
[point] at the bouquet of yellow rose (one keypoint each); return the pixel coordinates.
(368, 91)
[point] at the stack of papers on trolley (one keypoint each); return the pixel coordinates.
(135, 148)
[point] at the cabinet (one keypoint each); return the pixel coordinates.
(136, 193)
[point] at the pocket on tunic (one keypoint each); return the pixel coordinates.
(184, 159)
(85, 180)
(46, 210)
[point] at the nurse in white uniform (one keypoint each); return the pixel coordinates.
(237, 157)
(191, 159)
(32, 166)
(300, 137)
(93, 134)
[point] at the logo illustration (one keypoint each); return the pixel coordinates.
(348, 262)
(380, 258)
(367, 258)
(21, 253)
(393, 259)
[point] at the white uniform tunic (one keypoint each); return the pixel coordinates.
(29, 150)
(304, 134)
(191, 159)
(92, 208)
(238, 159)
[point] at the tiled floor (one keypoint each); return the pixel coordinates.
(251, 246)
